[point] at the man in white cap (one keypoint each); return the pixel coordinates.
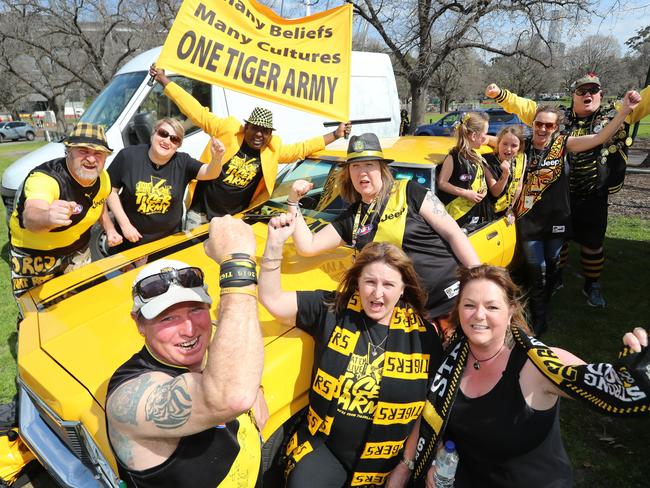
(251, 159)
(173, 415)
(57, 204)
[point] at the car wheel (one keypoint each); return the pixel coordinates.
(2, 138)
(98, 244)
(29, 136)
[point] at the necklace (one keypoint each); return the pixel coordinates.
(374, 349)
(477, 362)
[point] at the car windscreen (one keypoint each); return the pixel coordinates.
(323, 204)
(320, 206)
(110, 103)
(421, 175)
(501, 117)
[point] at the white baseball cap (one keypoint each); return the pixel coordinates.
(176, 292)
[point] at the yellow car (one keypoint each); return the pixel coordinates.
(76, 329)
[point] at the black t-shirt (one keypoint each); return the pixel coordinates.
(432, 256)
(360, 389)
(543, 208)
(152, 195)
(503, 442)
(233, 190)
(206, 457)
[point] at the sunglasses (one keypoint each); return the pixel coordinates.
(583, 91)
(258, 128)
(158, 284)
(174, 139)
(544, 125)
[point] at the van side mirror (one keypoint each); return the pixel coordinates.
(140, 128)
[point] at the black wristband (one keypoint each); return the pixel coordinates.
(236, 276)
(237, 263)
(236, 255)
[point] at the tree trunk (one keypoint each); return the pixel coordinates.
(56, 103)
(418, 104)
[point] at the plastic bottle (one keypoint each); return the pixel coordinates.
(446, 464)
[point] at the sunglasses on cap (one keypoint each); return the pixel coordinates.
(544, 125)
(158, 284)
(582, 91)
(164, 134)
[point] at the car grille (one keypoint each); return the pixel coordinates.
(85, 465)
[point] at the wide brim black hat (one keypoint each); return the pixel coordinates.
(365, 147)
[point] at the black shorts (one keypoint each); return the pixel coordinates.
(589, 219)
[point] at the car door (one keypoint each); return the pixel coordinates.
(495, 242)
(11, 130)
(446, 124)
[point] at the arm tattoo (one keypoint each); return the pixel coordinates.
(170, 404)
(124, 402)
(438, 207)
(122, 445)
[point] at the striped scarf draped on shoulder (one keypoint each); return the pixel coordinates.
(622, 388)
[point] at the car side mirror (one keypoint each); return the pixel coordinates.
(140, 128)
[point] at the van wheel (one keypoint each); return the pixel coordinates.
(272, 470)
(29, 136)
(98, 244)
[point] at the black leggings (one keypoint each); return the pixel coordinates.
(318, 469)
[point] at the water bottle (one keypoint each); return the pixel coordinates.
(446, 464)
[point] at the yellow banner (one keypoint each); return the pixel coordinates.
(242, 45)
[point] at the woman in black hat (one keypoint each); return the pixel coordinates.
(401, 212)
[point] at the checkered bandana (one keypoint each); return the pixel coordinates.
(262, 117)
(88, 135)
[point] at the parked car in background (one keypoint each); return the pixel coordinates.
(498, 118)
(16, 130)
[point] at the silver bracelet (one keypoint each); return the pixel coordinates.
(293, 204)
(266, 259)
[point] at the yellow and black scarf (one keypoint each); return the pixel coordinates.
(622, 388)
(506, 201)
(401, 395)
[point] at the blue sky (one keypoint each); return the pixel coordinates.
(622, 19)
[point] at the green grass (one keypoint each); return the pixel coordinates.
(604, 451)
(8, 311)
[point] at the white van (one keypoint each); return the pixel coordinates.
(128, 106)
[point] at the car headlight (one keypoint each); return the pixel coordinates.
(65, 448)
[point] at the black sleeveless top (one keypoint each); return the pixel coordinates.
(503, 442)
(202, 460)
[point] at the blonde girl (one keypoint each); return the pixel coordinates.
(461, 179)
(506, 169)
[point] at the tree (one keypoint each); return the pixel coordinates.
(459, 76)
(431, 30)
(638, 61)
(76, 44)
(598, 54)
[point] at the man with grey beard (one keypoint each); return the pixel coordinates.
(56, 206)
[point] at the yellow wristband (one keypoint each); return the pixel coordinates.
(238, 291)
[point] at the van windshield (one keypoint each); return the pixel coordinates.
(111, 101)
